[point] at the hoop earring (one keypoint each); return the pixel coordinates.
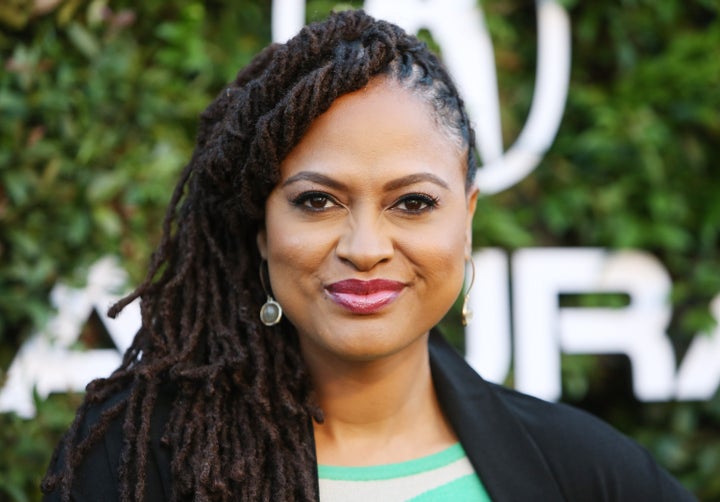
(271, 311)
(467, 313)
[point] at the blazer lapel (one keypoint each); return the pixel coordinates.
(504, 455)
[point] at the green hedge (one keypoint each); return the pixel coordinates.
(99, 103)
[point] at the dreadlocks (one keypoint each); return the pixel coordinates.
(240, 422)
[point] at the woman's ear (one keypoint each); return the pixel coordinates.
(261, 240)
(471, 203)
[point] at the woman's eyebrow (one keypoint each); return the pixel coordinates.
(401, 182)
(411, 179)
(316, 178)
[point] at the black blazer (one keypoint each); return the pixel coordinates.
(523, 449)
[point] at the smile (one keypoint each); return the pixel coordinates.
(364, 297)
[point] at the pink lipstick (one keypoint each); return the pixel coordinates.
(364, 297)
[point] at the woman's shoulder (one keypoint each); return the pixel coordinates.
(584, 451)
(563, 427)
(114, 409)
(546, 418)
(97, 475)
(587, 458)
(555, 426)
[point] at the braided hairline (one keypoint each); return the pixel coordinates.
(240, 422)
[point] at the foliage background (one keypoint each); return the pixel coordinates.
(98, 106)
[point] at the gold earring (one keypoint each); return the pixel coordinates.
(467, 312)
(271, 311)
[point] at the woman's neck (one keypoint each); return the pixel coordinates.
(379, 411)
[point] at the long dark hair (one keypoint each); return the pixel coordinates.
(240, 423)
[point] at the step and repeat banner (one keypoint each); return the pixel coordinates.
(519, 322)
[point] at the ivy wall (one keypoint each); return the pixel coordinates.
(98, 107)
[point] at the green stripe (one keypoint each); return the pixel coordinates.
(465, 488)
(396, 470)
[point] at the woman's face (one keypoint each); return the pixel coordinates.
(367, 230)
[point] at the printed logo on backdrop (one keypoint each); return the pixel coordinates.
(542, 329)
(50, 362)
(458, 26)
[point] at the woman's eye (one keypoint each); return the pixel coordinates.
(416, 203)
(314, 201)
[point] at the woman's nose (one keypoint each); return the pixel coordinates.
(365, 242)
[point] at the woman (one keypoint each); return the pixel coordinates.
(316, 237)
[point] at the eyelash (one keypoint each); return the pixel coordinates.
(430, 202)
(302, 200)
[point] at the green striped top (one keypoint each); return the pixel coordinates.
(446, 475)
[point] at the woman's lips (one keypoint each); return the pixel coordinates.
(364, 297)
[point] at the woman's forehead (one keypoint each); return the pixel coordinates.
(380, 129)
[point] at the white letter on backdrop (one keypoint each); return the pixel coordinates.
(543, 329)
(48, 362)
(699, 375)
(487, 338)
